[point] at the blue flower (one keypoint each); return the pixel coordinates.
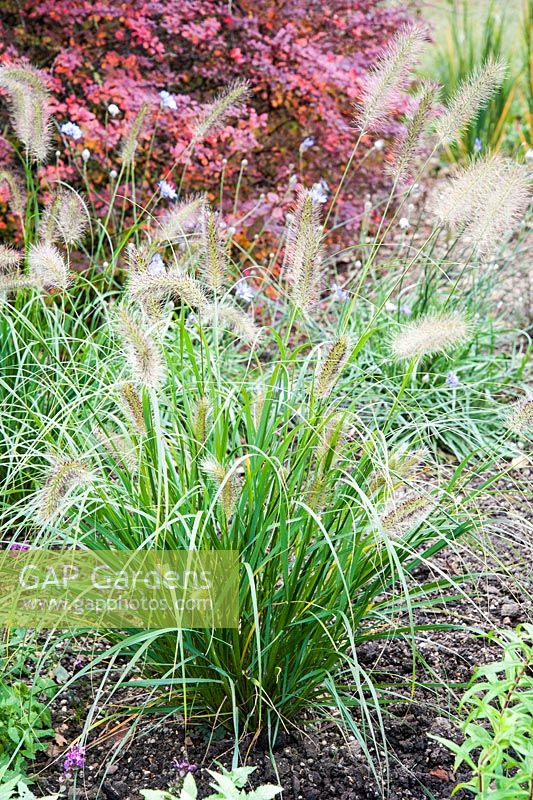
(168, 100)
(307, 143)
(478, 145)
(452, 379)
(339, 293)
(167, 190)
(72, 130)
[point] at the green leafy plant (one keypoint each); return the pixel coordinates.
(228, 785)
(498, 727)
(24, 721)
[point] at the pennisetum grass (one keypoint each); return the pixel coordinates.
(181, 413)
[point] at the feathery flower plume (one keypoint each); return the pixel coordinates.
(132, 406)
(234, 319)
(11, 282)
(471, 96)
(212, 116)
(504, 207)
(401, 465)
(258, 406)
(141, 351)
(485, 201)
(304, 251)
(225, 481)
(65, 476)
(331, 440)
(520, 417)
(30, 107)
(408, 147)
(138, 258)
(129, 145)
(174, 283)
(435, 333)
(9, 258)
(177, 222)
(389, 76)
(17, 199)
(404, 512)
(65, 218)
(332, 366)
(200, 419)
(213, 251)
(47, 266)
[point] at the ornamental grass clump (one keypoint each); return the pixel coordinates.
(182, 412)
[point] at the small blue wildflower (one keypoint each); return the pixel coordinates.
(452, 379)
(307, 143)
(167, 190)
(168, 100)
(244, 291)
(319, 191)
(339, 293)
(405, 309)
(478, 145)
(156, 265)
(72, 130)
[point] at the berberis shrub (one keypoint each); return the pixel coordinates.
(194, 408)
(304, 62)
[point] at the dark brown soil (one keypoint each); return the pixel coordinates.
(323, 763)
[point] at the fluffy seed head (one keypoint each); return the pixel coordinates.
(404, 512)
(47, 266)
(332, 439)
(224, 480)
(438, 333)
(9, 258)
(213, 250)
(175, 283)
(129, 145)
(141, 351)
(65, 476)
(390, 75)
(17, 199)
(407, 149)
(212, 116)
(132, 406)
(520, 417)
(200, 419)
(332, 366)
(65, 218)
(30, 107)
(485, 201)
(304, 253)
(234, 319)
(472, 95)
(176, 223)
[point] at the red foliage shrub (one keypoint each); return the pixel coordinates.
(303, 58)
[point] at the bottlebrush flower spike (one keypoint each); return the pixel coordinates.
(65, 218)
(332, 366)
(408, 147)
(141, 351)
(9, 258)
(226, 481)
(233, 318)
(436, 333)
(304, 253)
(520, 417)
(175, 283)
(213, 251)
(391, 74)
(485, 201)
(132, 406)
(17, 199)
(229, 101)
(65, 476)
(177, 222)
(129, 145)
(47, 266)
(472, 95)
(404, 512)
(30, 107)
(201, 412)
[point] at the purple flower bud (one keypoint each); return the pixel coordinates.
(75, 758)
(452, 379)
